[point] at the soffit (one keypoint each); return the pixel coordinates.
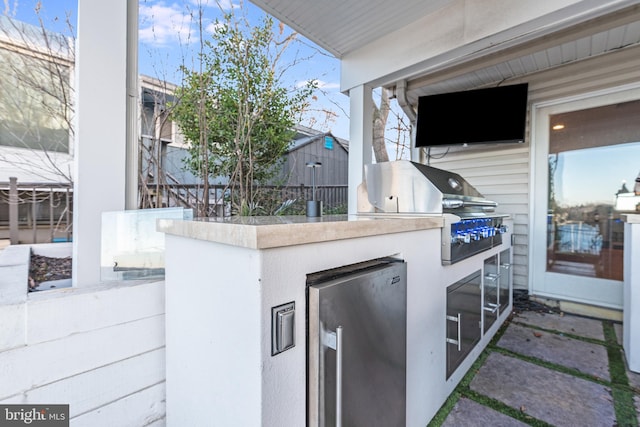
(594, 38)
(341, 26)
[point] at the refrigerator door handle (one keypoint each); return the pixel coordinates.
(333, 340)
(339, 376)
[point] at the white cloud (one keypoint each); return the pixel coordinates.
(214, 26)
(163, 25)
(320, 83)
(220, 4)
(327, 85)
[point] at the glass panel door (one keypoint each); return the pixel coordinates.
(592, 156)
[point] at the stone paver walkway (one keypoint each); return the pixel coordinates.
(547, 369)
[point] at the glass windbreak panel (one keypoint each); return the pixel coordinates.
(131, 246)
(591, 182)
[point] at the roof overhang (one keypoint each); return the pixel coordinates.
(433, 46)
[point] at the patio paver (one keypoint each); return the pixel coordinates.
(617, 327)
(554, 397)
(468, 413)
(575, 325)
(588, 358)
(634, 380)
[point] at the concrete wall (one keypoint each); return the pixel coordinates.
(100, 350)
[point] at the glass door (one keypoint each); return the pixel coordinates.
(587, 156)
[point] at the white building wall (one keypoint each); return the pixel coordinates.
(503, 174)
(100, 350)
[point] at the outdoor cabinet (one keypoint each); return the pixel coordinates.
(464, 317)
(474, 304)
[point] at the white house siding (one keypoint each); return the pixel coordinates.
(503, 174)
(100, 350)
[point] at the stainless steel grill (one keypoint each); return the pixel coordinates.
(409, 188)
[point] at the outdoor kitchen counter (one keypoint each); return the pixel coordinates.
(631, 218)
(255, 232)
(225, 279)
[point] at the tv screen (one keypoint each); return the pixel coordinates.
(480, 116)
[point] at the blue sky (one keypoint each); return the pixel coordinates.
(168, 38)
(594, 175)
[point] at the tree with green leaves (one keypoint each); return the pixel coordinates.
(236, 112)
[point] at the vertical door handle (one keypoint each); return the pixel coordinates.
(339, 376)
(333, 340)
(458, 320)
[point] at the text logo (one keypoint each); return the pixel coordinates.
(34, 415)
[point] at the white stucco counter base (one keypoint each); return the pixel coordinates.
(631, 298)
(224, 276)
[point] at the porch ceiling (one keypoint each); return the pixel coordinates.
(592, 38)
(344, 26)
(341, 26)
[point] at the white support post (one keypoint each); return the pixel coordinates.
(133, 129)
(360, 139)
(100, 145)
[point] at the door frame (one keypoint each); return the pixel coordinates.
(593, 291)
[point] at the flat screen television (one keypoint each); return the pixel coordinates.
(480, 116)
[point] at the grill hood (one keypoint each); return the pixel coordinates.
(408, 187)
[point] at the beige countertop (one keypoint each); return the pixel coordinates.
(257, 232)
(631, 218)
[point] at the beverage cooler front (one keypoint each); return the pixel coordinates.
(357, 345)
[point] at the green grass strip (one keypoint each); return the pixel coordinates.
(621, 391)
(451, 401)
(446, 408)
(463, 390)
(505, 409)
(558, 368)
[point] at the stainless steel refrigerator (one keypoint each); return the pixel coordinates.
(357, 345)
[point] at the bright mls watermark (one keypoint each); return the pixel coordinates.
(34, 415)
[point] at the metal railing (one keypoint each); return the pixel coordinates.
(35, 212)
(272, 197)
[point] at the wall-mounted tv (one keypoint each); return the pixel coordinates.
(479, 116)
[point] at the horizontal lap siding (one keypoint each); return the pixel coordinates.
(100, 351)
(146, 407)
(502, 173)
